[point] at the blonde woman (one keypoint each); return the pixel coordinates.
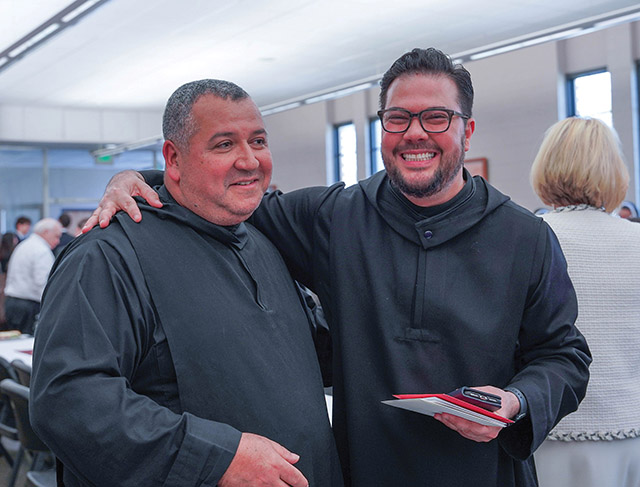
(580, 172)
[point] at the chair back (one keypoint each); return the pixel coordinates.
(7, 371)
(19, 399)
(7, 422)
(23, 372)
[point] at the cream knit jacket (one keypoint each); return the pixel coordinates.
(603, 255)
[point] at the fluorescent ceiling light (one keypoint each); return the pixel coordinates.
(114, 150)
(618, 20)
(281, 108)
(82, 8)
(34, 40)
(338, 94)
(46, 30)
(530, 42)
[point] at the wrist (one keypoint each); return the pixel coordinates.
(522, 412)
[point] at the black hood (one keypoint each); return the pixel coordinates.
(235, 235)
(476, 200)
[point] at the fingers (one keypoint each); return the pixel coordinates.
(510, 403)
(119, 196)
(127, 203)
(103, 214)
(261, 462)
(293, 477)
(290, 475)
(469, 429)
(148, 193)
(92, 221)
(292, 458)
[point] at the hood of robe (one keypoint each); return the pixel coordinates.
(438, 224)
(235, 235)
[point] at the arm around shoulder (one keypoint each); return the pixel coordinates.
(298, 224)
(119, 194)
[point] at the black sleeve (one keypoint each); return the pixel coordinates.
(95, 328)
(298, 223)
(553, 357)
(320, 332)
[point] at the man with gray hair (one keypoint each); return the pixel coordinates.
(27, 274)
(188, 357)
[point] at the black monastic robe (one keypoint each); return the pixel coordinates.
(471, 292)
(160, 342)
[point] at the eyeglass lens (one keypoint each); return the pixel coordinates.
(431, 120)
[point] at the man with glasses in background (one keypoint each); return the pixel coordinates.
(430, 280)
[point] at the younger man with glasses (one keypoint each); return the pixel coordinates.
(430, 280)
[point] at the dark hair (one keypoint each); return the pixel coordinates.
(23, 219)
(178, 124)
(430, 61)
(9, 242)
(64, 220)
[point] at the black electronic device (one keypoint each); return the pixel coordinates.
(482, 399)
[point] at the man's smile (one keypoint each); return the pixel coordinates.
(422, 156)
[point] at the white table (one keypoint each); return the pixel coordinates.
(17, 348)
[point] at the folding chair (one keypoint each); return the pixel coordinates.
(23, 371)
(32, 445)
(10, 447)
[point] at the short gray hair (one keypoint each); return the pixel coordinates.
(178, 124)
(45, 225)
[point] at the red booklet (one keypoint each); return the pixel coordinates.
(431, 404)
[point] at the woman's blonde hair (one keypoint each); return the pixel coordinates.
(580, 161)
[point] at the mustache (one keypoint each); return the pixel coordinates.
(429, 147)
(252, 173)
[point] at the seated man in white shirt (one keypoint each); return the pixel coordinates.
(27, 275)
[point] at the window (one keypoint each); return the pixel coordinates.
(346, 154)
(589, 95)
(74, 179)
(375, 130)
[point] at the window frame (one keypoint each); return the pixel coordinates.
(375, 145)
(571, 91)
(337, 153)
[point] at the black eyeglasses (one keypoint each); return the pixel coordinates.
(432, 120)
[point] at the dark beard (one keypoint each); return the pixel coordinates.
(441, 179)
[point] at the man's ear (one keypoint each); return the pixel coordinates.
(469, 128)
(172, 156)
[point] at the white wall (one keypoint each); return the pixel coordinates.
(297, 140)
(515, 101)
(29, 124)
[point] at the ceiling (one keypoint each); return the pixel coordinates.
(133, 53)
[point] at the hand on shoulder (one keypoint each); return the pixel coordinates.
(118, 195)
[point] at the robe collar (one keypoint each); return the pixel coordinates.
(439, 224)
(234, 235)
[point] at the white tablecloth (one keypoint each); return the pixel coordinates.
(17, 348)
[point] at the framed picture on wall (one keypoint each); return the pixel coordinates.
(477, 167)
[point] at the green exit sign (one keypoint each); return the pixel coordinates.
(104, 160)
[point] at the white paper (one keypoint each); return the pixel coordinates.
(433, 405)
